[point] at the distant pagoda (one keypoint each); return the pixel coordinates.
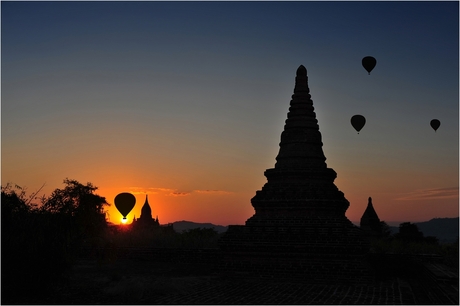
(147, 223)
(370, 222)
(146, 220)
(299, 229)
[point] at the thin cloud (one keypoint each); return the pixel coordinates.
(160, 189)
(175, 192)
(431, 194)
(207, 191)
(179, 194)
(137, 190)
(151, 190)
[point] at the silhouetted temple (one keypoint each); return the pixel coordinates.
(146, 220)
(299, 228)
(370, 222)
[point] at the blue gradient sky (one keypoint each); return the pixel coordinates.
(186, 101)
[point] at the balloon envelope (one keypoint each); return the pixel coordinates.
(124, 202)
(435, 124)
(369, 63)
(358, 121)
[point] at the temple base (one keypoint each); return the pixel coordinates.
(317, 254)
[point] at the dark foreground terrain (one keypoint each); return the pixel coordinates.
(142, 280)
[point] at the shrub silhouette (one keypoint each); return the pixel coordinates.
(39, 242)
(34, 250)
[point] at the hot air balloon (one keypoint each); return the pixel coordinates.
(124, 202)
(358, 121)
(369, 63)
(435, 123)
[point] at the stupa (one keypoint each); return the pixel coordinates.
(299, 229)
(370, 222)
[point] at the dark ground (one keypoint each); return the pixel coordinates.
(141, 281)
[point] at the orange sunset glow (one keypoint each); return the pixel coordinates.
(189, 108)
(172, 205)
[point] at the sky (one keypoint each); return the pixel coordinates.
(185, 101)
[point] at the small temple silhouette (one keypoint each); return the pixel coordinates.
(370, 222)
(299, 228)
(146, 221)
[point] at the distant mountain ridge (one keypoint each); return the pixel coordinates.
(445, 229)
(180, 226)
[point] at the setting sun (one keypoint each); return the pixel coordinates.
(124, 220)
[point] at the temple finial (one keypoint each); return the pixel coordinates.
(301, 81)
(301, 71)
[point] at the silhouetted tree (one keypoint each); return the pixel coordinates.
(34, 248)
(13, 206)
(15, 201)
(81, 205)
(200, 233)
(200, 237)
(385, 230)
(431, 240)
(38, 241)
(409, 232)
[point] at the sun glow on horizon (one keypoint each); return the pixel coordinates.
(124, 220)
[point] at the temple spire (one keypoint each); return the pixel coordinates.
(146, 211)
(301, 160)
(369, 213)
(370, 220)
(301, 147)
